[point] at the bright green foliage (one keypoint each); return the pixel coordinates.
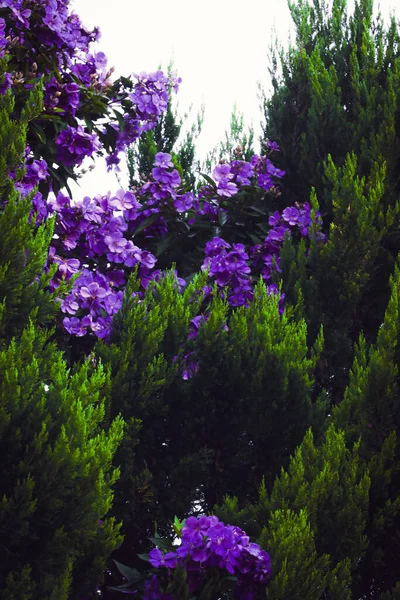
(371, 409)
(335, 97)
(348, 486)
(241, 414)
(57, 478)
(337, 91)
(370, 405)
(334, 278)
(289, 535)
(147, 336)
(23, 247)
(56, 444)
(313, 522)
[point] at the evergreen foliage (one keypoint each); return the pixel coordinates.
(334, 113)
(238, 143)
(56, 443)
(192, 403)
(336, 90)
(332, 278)
(23, 247)
(344, 490)
(189, 441)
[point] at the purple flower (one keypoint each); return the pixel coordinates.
(101, 327)
(67, 267)
(272, 170)
(291, 215)
(163, 160)
(64, 96)
(190, 366)
(123, 200)
(184, 202)
(92, 292)
(112, 160)
(75, 144)
(69, 305)
(222, 172)
(195, 325)
(272, 146)
(264, 181)
(76, 326)
(226, 188)
(208, 543)
(157, 559)
(214, 247)
(275, 219)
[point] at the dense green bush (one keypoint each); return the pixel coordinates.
(56, 440)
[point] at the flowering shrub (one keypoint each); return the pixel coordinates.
(207, 546)
(99, 240)
(84, 112)
(107, 236)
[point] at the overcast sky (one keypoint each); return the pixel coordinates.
(219, 48)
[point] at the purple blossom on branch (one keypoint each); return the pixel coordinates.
(74, 144)
(207, 543)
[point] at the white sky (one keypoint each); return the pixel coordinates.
(219, 48)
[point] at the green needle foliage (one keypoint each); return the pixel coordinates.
(335, 91)
(56, 441)
(331, 519)
(333, 278)
(237, 145)
(370, 409)
(246, 406)
(313, 520)
(334, 112)
(23, 247)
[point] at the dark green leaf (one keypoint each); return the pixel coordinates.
(151, 219)
(209, 180)
(129, 574)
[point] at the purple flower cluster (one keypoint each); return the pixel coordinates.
(93, 232)
(51, 23)
(5, 84)
(61, 42)
(265, 172)
(149, 98)
(206, 543)
(150, 95)
(3, 38)
(74, 144)
(35, 172)
(92, 71)
(94, 295)
(228, 267)
(161, 193)
(293, 219)
(95, 238)
(231, 177)
(223, 176)
(63, 96)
